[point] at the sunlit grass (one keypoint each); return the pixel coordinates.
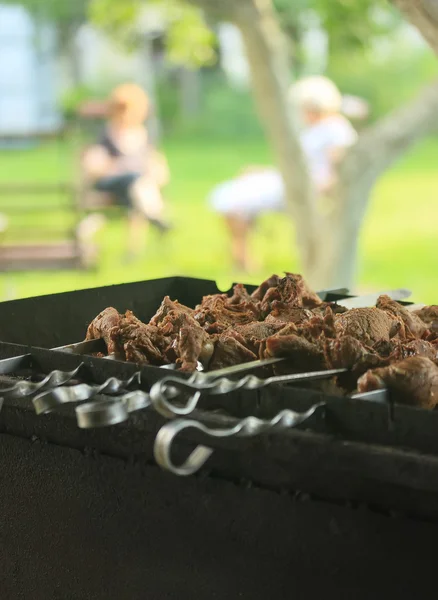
(398, 245)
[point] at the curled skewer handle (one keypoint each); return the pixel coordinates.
(164, 391)
(54, 398)
(247, 427)
(56, 378)
(111, 411)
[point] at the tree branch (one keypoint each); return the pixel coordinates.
(382, 144)
(423, 14)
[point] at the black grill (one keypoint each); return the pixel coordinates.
(351, 452)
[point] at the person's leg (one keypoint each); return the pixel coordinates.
(137, 228)
(120, 187)
(147, 199)
(239, 229)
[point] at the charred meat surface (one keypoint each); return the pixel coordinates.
(413, 325)
(301, 354)
(166, 307)
(412, 381)
(216, 314)
(368, 325)
(382, 345)
(102, 326)
(230, 350)
(429, 316)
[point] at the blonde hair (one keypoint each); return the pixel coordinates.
(128, 105)
(316, 93)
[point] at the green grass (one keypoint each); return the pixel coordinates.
(398, 246)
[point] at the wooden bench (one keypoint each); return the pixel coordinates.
(67, 252)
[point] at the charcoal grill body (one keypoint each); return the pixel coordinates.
(88, 514)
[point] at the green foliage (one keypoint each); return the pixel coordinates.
(66, 15)
(224, 110)
(117, 19)
(384, 82)
(355, 24)
(77, 95)
(189, 41)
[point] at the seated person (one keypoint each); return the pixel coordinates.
(125, 164)
(325, 135)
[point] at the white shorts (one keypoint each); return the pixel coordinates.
(250, 194)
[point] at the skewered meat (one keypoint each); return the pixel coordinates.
(252, 334)
(349, 353)
(283, 318)
(140, 342)
(191, 341)
(230, 350)
(166, 307)
(368, 325)
(282, 312)
(102, 326)
(413, 325)
(429, 316)
(412, 381)
(216, 314)
(301, 353)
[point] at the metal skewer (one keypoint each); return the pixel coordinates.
(247, 427)
(170, 387)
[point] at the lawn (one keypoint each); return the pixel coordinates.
(398, 246)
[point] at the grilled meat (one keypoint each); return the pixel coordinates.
(166, 307)
(412, 381)
(382, 345)
(230, 349)
(368, 325)
(102, 326)
(301, 353)
(412, 324)
(216, 314)
(429, 316)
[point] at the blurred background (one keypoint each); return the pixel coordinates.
(56, 57)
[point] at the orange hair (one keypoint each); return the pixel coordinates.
(128, 105)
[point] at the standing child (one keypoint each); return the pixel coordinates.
(325, 136)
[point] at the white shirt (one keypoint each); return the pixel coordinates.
(317, 141)
(253, 193)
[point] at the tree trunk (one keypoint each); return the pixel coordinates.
(190, 92)
(149, 82)
(423, 14)
(337, 249)
(271, 75)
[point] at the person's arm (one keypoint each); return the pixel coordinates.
(343, 137)
(96, 162)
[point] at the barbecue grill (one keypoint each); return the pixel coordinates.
(87, 513)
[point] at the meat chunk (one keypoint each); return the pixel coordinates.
(349, 353)
(259, 293)
(191, 341)
(253, 334)
(368, 325)
(102, 326)
(292, 290)
(140, 342)
(216, 314)
(413, 325)
(193, 344)
(301, 354)
(240, 294)
(413, 381)
(229, 350)
(281, 312)
(404, 350)
(166, 307)
(429, 316)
